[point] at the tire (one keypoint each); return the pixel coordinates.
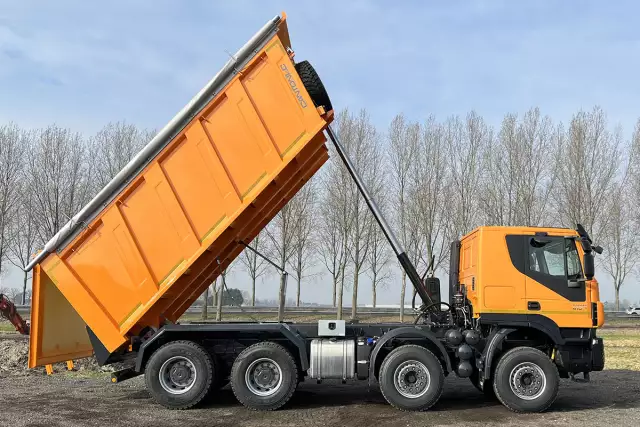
(407, 363)
(529, 364)
(314, 86)
(487, 390)
(166, 370)
(275, 388)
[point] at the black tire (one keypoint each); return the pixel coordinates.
(280, 372)
(313, 84)
(533, 366)
(173, 361)
(392, 366)
(487, 388)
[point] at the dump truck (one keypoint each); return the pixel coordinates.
(523, 305)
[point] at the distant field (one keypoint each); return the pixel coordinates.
(6, 327)
(298, 318)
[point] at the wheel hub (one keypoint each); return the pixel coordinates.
(412, 379)
(177, 375)
(527, 381)
(263, 377)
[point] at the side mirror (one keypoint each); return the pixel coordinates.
(432, 284)
(589, 265)
(598, 249)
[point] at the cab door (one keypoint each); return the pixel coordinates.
(555, 284)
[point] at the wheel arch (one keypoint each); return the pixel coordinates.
(200, 332)
(429, 341)
(533, 333)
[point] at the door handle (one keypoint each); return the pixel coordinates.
(533, 305)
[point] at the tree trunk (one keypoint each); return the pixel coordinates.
(402, 291)
(205, 297)
(253, 292)
(373, 288)
(221, 289)
(617, 296)
(24, 289)
(282, 295)
(335, 285)
(299, 277)
(354, 298)
(340, 292)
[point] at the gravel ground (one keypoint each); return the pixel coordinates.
(612, 397)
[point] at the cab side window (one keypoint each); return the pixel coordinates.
(554, 256)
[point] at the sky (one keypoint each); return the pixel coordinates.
(82, 64)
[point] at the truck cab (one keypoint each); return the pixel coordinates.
(509, 272)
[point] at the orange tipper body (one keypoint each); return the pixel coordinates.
(142, 251)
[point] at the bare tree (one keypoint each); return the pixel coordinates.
(362, 143)
(112, 148)
(619, 238)
(619, 241)
(24, 236)
(13, 294)
(13, 141)
(335, 217)
(253, 264)
(205, 301)
(428, 194)
(403, 146)
(519, 171)
(589, 161)
(59, 175)
(378, 261)
(282, 232)
(330, 234)
(302, 258)
(466, 141)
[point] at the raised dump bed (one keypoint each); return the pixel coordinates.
(147, 246)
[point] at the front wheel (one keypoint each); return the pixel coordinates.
(411, 378)
(526, 380)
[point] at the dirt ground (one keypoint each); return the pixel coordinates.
(87, 398)
(613, 398)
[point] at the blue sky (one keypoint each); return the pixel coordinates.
(82, 64)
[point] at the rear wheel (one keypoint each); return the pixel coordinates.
(411, 378)
(313, 84)
(264, 376)
(179, 374)
(526, 380)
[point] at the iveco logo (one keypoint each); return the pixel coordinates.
(293, 85)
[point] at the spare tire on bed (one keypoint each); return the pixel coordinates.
(314, 86)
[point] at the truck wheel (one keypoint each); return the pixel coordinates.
(313, 84)
(411, 378)
(488, 385)
(526, 380)
(264, 376)
(179, 374)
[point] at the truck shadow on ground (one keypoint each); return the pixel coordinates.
(611, 388)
